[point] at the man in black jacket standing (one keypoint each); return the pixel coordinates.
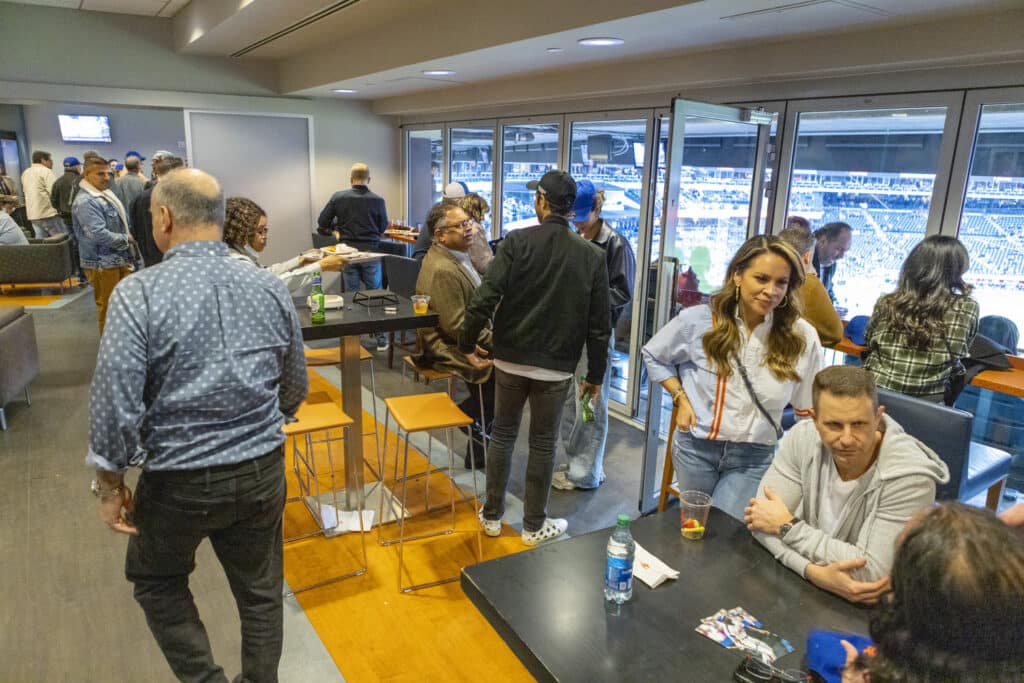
(547, 289)
(358, 218)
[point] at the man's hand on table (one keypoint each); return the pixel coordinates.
(835, 578)
(766, 515)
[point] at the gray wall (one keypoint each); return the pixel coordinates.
(55, 45)
(131, 128)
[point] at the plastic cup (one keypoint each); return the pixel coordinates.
(694, 507)
(420, 302)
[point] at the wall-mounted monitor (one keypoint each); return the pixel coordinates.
(85, 128)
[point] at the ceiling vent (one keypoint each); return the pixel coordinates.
(298, 25)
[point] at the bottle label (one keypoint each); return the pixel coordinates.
(314, 304)
(618, 575)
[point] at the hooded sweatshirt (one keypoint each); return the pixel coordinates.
(900, 482)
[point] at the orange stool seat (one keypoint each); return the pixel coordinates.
(331, 356)
(420, 412)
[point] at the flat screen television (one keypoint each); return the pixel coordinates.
(85, 128)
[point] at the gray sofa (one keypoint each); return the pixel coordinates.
(19, 356)
(45, 260)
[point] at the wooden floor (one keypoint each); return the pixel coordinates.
(375, 633)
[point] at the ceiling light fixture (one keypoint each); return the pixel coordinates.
(438, 72)
(345, 91)
(600, 42)
(554, 50)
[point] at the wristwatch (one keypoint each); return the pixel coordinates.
(784, 529)
(97, 490)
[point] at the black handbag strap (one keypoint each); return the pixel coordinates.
(757, 401)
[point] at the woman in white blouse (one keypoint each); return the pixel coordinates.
(245, 233)
(731, 367)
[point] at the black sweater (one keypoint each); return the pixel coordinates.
(550, 289)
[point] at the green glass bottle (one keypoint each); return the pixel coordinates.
(317, 314)
(586, 410)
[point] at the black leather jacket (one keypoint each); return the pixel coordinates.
(621, 268)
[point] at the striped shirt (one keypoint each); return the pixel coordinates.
(723, 406)
(915, 372)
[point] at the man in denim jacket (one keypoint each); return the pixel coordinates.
(106, 247)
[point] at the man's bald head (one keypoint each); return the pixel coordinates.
(192, 198)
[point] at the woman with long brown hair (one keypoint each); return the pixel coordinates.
(731, 367)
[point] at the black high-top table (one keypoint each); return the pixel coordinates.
(548, 605)
(348, 324)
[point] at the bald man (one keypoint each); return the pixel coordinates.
(200, 366)
(358, 218)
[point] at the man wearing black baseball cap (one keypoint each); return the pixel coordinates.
(547, 290)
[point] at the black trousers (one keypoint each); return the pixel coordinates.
(239, 508)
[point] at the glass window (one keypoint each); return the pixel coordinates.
(528, 152)
(423, 171)
(992, 222)
(875, 170)
(611, 155)
(472, 162)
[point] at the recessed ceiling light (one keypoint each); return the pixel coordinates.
(553, 50)
(438, 72)
(600, 42)
(345, 91)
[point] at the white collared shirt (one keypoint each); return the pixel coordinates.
(724, 408)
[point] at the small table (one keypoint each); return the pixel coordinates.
(348, 324)
(548, 605)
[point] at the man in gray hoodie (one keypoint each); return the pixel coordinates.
(841, 488)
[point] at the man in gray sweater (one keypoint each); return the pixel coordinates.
(841, 488)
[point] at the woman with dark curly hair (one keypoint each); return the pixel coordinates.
(918, 334)
(245, 233)
(956, 612)
(731, 366)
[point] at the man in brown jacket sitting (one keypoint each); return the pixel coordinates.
(447, 275)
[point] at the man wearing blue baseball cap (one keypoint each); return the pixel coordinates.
(61, 196)
(583, 442)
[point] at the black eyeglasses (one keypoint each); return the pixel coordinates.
(462, 225)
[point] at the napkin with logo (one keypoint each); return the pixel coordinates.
(650, 569)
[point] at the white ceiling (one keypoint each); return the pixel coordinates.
(151, 8)
(381, 47)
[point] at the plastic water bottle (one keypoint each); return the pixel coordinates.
(618, 573)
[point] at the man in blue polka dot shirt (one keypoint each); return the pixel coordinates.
(200, 364)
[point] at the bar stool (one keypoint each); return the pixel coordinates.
(668, 473)
(422, 413)
(430, 375)
(312, 418)
(316, 358)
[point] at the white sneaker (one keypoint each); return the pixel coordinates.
(491, 527)
(553, 528)
(560, 481)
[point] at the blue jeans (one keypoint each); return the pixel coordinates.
(362, 276)
(583, 442)
(726, 470)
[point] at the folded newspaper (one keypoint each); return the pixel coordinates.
(650, 569)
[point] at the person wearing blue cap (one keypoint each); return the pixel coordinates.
(583, 442)
(61, 196)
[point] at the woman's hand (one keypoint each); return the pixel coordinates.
(686, 419)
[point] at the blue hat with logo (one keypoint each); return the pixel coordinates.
(72, 161)
(586, 193)
(133, 153)
(119, 167)
(856, 328)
